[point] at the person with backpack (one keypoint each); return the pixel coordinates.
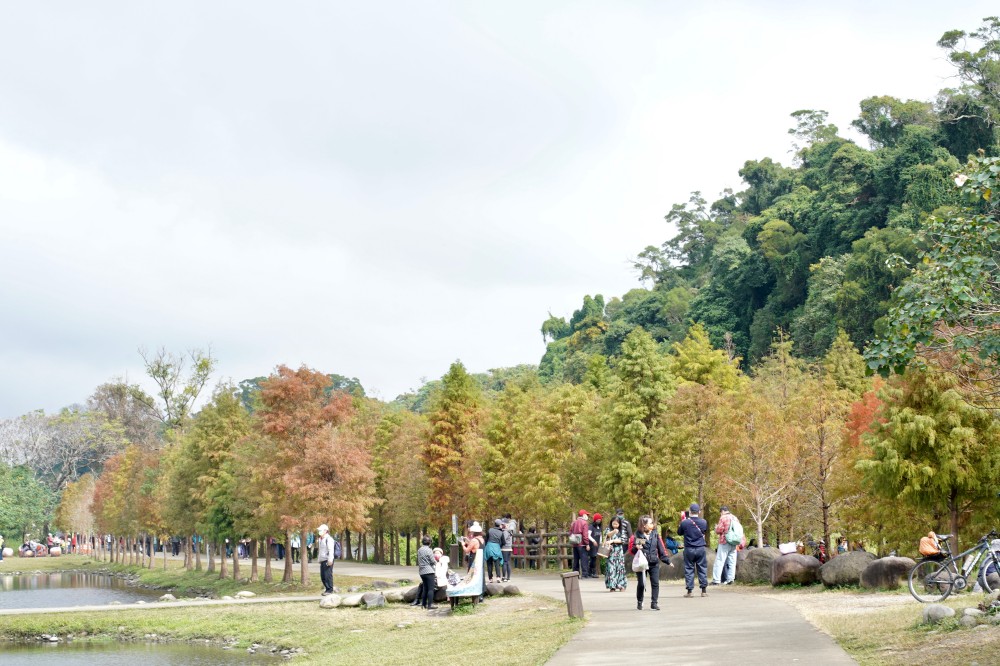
(730, 533)
(327, 553)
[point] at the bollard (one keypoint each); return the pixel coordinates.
(571, 586)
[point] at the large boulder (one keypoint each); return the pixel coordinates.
(794, 569)
(27, 553)
(167, 597)
(887, 573)
(511, 590)
(330, 601)
(55, 551)
(8, 552)
(676, 571)
(410, 595)
(373, 599)
(755, 569)
(494, 589)
(394, 595)
(845, 569)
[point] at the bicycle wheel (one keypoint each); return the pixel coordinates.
(991, 582)
(931, 581)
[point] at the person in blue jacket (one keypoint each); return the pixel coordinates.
(693, 529)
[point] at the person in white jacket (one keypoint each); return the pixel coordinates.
(441, 567)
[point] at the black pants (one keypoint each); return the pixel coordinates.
(581, 561)
(506, 564)
(654, 584)
(326, 575)
(695, 560)
(428, 585)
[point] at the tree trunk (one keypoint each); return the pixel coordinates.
(222, 561)
(347, 544)
(188, 560)
(953, 514)
(304, 561)
(197, 554)
(760, 533)
(441, 538)
(236, 561)
(364, 546)
(211, 557)
(408, 548)
(267, 560)
(287, 576)
(253, 560)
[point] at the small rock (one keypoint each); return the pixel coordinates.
(167, 597)
(357, 631)
(140, 602)
(227, 598)
(934, 613)
(968, 621)
(351, 601)
(382, 585)
(395, 595)
(403, 625)
(972, 612)
(352, 589)
(245, 594)
(53, 639)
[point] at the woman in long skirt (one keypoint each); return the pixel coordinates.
(614, 575)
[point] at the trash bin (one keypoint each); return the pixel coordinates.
(571, 586)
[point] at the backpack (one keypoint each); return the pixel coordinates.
(337, 550)
(734, 535)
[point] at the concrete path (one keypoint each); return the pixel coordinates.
(727, 627)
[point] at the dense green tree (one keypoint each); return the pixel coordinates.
(933, 450)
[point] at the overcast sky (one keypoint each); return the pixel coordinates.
(377, 189)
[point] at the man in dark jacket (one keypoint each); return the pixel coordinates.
(651, 545)
(694, 529)
(579, 532)
(596, 534)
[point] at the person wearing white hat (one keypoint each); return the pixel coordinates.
(326, 554)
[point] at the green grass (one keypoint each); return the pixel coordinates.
(532, 629)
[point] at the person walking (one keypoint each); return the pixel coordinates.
(327, 548)
(579, 536)
(295, 544)
(727, 529)
(1, 548)
(425, 568)
(694, 529)
(615, 578)
(647, 541)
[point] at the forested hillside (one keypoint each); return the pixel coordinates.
(810, 247)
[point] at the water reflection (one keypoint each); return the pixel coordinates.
(126, 654)
(53, 590)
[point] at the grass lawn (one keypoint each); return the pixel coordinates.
(511, 630)
(879, 628)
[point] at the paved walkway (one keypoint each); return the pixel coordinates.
(726, 627)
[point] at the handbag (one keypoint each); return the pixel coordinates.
(575, 539)
(639, 562)
(604, 550)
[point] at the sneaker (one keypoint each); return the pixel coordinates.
(432, 607)
(654, 607)
(728, 582)
(326, 594)
(688, 595)
(714, 583)
(704, 593)
(638, 606)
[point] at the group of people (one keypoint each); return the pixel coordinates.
(645, 550)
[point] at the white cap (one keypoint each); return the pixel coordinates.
(323, 528)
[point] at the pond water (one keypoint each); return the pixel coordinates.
(54, 590)
(122, 654)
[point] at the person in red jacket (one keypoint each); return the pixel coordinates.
(579, 536)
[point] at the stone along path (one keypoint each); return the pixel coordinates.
(726, 627)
